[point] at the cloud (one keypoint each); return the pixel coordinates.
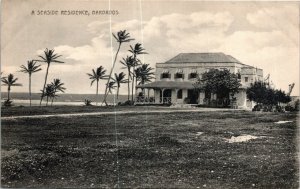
(273, 46)
(285, 18)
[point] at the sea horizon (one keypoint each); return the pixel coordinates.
(22, 98)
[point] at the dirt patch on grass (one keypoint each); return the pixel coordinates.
(242, 138)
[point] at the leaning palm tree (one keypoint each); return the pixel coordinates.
(122, 37)
(144, 74)
(111, 86)
(128, 62)
(136, 50)
(119, 79)
(31, 68)
(50, 57)
(58, 87)
(96, 76)
(10, 81)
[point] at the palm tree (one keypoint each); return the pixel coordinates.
(144, 74)
(49, 93)
(136, 50)
(122, 37)
(129, 62)
(10, 81)
(111, 86)
(96, 76)
(57, 86)
(31, 68)
(119, 78)
(49, 58)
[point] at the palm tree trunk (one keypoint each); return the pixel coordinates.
(29, 89)
(8, 93)
(97, 93)
(128, 84)
(118, 92)
(45, 84)
(134, 56)
(135, 86)
(53, 97)
(47, 101)
(132, 86)
(112, 69)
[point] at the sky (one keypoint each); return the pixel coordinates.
(260, 34)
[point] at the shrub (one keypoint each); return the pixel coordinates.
(87, 102)
(257, 107)
(127, 103)
(293, 106)
(7, 103)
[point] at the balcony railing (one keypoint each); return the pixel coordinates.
(151, 100)
(144, 100)
(165, 100)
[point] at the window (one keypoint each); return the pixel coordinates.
(246, 79)
(165, 75)
(179, 94)
(179, 75)
(193, 75)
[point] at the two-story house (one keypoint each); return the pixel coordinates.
(175, 78)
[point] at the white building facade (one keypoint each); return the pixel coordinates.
(174, 79)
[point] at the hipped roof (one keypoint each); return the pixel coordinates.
(203, 58)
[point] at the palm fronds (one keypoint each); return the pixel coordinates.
(96, 75)
(49, 57)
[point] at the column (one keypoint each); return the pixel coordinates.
(174, 96)
(157, 95)
(162, 95)
(184, 94)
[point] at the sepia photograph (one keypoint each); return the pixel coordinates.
(150, 94)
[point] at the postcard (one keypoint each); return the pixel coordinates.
(149, 94)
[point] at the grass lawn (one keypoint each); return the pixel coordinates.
(43, 110)
(182, 150)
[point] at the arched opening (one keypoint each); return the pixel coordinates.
(165, 96)
(179, 94)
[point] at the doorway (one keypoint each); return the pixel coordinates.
(193, 96)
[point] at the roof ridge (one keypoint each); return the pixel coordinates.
(202, 57)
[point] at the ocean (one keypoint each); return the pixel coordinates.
(22, 99)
